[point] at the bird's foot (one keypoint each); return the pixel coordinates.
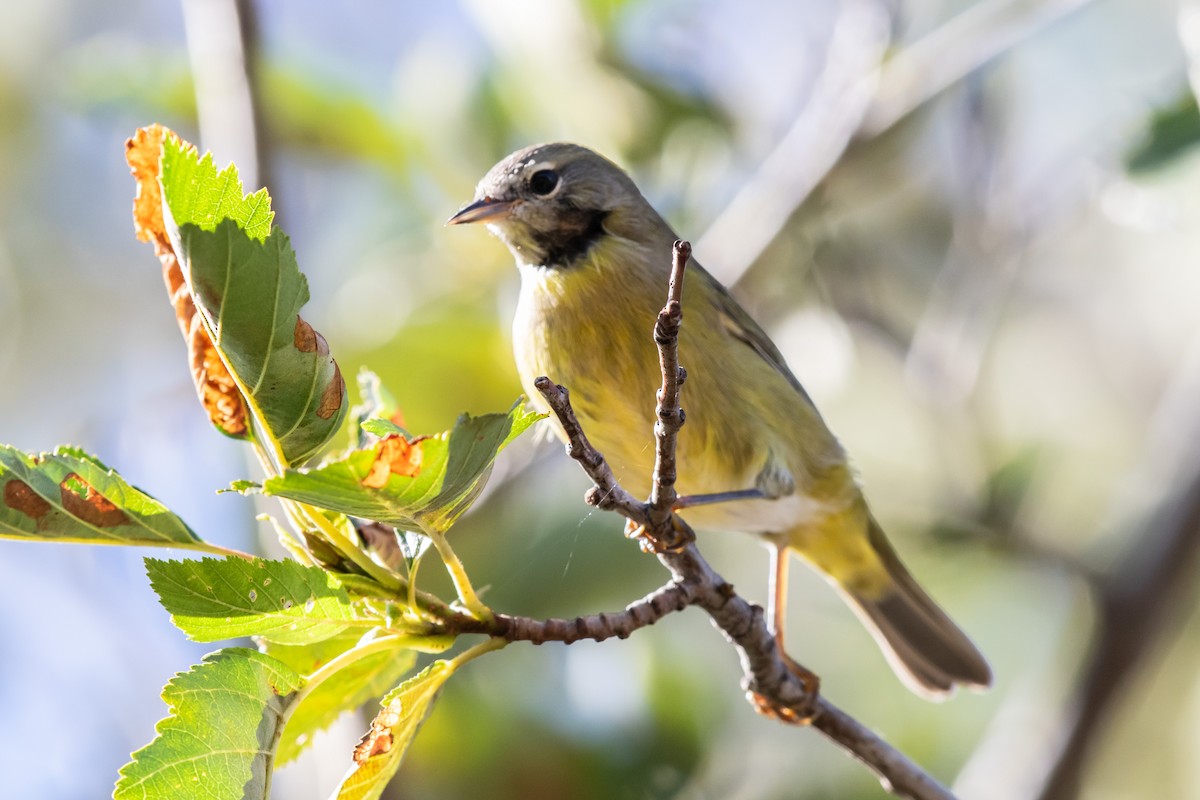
(676, 538)
(810, 684)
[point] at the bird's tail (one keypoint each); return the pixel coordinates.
(923, 645)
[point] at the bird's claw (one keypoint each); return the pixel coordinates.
(679, 536)
(810, 683)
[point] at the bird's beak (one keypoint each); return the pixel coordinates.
(481, 210)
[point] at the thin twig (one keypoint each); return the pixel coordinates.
(650, 609)
(668, 415)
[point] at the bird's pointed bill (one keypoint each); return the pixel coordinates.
(482, 210)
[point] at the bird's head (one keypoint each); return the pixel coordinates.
(551, 203)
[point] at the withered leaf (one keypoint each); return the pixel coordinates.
(396, 456)
(215, 386)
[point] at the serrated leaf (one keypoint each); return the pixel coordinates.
(197, 193)
(360, 681)
(280, 601)
(256, 363)
(380, 752)
(70, 496)
(450, 473)
(217, 742)
(249, 294)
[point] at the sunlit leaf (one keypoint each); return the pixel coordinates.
(380, 752)
(237, 291)
(249, 294)
(359, 681)
(280, 601)
(218, 741)
(70, 496)
(431, 491)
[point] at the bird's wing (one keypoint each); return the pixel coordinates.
(742, 327)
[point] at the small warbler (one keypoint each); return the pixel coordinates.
(594, 259)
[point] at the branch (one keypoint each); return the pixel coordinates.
(857, 97)
(765, 671)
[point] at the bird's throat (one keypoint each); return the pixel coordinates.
(567, 244)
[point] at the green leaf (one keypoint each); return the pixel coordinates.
(218, 741)
(249, 295)
(449, 475)
(248, 290)
(378, 756)
(70, 496)
(196, 193)
(281, 601)
(359, 681)
(1172, 132)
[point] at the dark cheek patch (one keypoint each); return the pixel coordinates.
(577, 231)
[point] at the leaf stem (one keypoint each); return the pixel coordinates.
(472, 653)
(427, 644)
(218, 550)
(458, 575)
(349, 549)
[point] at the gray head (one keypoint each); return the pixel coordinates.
(551, 203)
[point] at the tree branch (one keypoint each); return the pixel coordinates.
(694, 582)
(858, 96)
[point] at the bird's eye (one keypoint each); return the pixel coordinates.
(543, 181)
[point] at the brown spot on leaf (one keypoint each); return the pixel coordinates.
(308, 340)
(396, 456)
(214, 384)
(333, 396)
(20, 496)
(81, 500)
(378, 740)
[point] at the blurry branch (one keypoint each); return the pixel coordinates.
(223, 46)
(946, 350)
(815, 142)
(1133, 604)
(769, 682)
(858, 96)
(937, 61)
(1133, 601)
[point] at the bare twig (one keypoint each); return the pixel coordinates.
(669, 416)
(650, 609)
(765, 671)
(962, 45)
(810, 148)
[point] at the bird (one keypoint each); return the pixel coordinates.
(594, 261)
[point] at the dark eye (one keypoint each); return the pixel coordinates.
(543, 181)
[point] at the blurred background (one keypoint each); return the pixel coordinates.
(971, 227)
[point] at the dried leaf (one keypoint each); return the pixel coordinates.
(396, 456)
(215, 386)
